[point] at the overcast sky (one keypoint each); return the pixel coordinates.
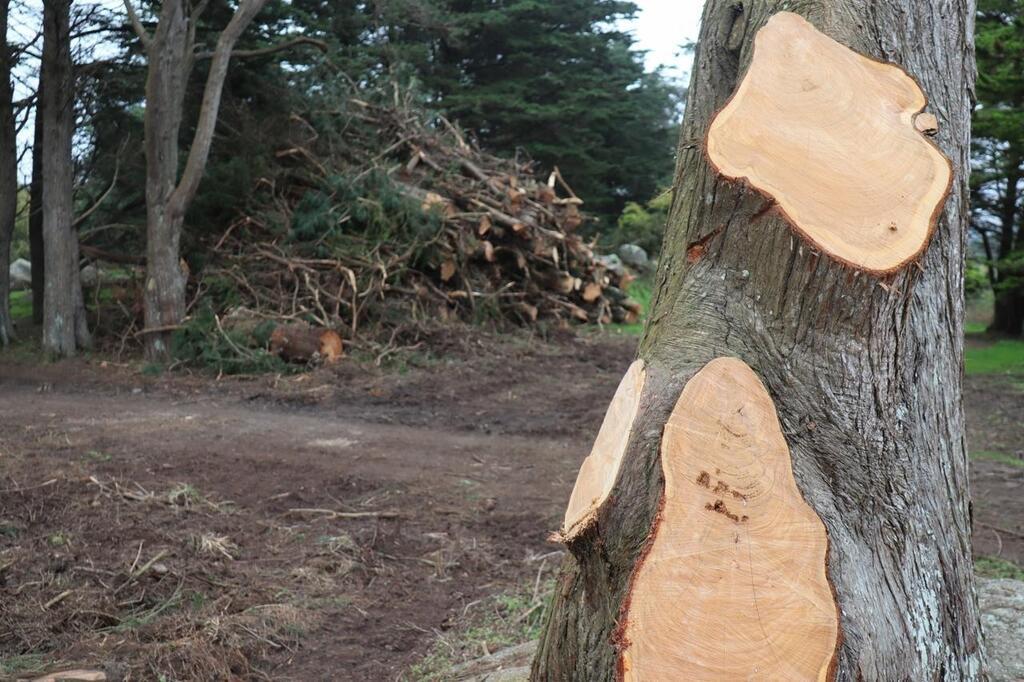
(662, 26)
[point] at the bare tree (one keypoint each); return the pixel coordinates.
(64, 324)
(8, 176)
(780, 487)
(171, 52)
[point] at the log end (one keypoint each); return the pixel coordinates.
(600, 469)
(733, 583)
(835, 138)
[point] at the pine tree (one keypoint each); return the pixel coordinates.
(562, 82)
(998, 155)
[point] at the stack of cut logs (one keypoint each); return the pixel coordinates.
(508, 241)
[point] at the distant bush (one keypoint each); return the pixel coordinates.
(976, 281)
(643, 224)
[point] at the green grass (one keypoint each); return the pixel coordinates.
(991, 567)
(998, 457)
(1002, 357)
(21, 305)
(504, 620)
(24, 664)
(975, 327)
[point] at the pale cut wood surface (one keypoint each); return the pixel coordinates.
(829, 134)
(734, 585)
(600, 468)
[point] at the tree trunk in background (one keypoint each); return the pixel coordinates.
(170, 51)
(64, 324)
(35, 213)
(1009, 307)
(8, 178)
(1009, 311)
(865, 373)
(170, 61)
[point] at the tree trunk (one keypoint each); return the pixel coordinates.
(35, 213)
(167, 199)
(1009, 310)
(8, 178)
(64, 324)
(864, 373)
(169, 66)
(1009, 307)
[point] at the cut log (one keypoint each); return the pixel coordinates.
(736, 551)
(304, 343)
(829, 135)
(601, 468)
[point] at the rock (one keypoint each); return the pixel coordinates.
(21, 274)
(634, 256)
(90, 275)
(613, 264)
(1002, 622)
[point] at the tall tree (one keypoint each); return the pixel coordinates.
(561, 81)
(171, 53)
(998, 177)
(37, 252)
(788, 397)
(8, 175)
(65, 328)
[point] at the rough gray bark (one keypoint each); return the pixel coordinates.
(866, 378)
(8, 177)
(64, 324)
(171, 57)
(35, 213)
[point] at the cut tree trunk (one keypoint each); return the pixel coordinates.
(64, 324)
(859, 373)
(8, 178)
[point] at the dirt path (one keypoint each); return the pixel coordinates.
(105, 470)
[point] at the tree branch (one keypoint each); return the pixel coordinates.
(260, 52)
(103, 197)
(137, 26)
(199, 151)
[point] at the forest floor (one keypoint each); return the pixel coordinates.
(351, 523)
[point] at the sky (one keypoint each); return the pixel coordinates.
(661, 27)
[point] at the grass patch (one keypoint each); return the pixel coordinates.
(991, 567)
(1002, 357)
(21, 305)
(500, 621)
(24, 664)
(975, 327)
(1001, 457)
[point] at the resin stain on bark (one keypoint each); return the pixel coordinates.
(733, 584)
(600, 469)
(837, 140)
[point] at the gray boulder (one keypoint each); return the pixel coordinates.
(612, 263)
(634, 256)
(1002, 622)
(21, 274)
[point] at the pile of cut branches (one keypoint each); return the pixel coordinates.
(380, 216)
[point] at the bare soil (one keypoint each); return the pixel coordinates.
(330, 525)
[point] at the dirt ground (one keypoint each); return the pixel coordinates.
(332, 525)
